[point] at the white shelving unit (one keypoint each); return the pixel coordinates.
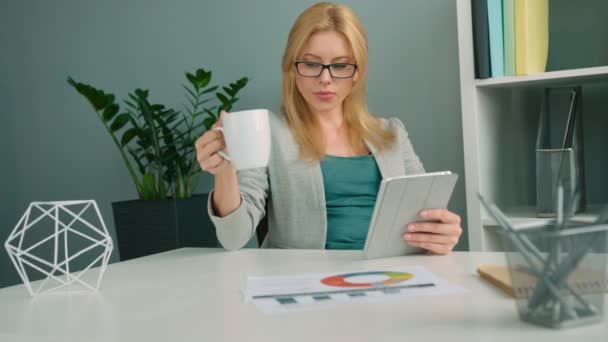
(499, 133)
(551, 78)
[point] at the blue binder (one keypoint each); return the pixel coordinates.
(495, 28)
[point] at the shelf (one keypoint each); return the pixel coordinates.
(525, 217)
(551, 78)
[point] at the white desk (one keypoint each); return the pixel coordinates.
(194, 295)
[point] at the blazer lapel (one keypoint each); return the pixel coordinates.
(390, 162)
(381, 160)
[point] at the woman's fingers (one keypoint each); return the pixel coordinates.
(431, 238)
(211, 149)
(207, 138)
(207, 147)
(437, 237)
(435, 228)
(442, 215)
(219, 167)
(212, 162)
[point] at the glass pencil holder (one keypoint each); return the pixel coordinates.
(558, 276)
(555, 166)
(559, 151)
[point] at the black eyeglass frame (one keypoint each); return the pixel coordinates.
(325, 66)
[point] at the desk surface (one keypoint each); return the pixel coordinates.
(194, 295)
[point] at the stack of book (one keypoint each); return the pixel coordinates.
(511, 37)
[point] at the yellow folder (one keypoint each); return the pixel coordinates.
(531, 36)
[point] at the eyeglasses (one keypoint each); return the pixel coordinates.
(336, 70)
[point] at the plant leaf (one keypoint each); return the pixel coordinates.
(157, 108)
(96, 97)
(189, 91)
(130, 103)
(110, 112)
(228, 91)
(191, 78)
(110, 99)
(203, 77)
(222, 98)
(208, 122)
(208, 111)
(141, 93)
(100, 100)
(128, 135)
(192, 103)
(119, 122)
(242, 82)
(208, 90)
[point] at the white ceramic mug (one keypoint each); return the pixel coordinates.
(247, 136)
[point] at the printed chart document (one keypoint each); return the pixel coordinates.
(277, 294)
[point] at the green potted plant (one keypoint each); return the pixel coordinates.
(156, 143)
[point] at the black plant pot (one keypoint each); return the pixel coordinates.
(150, 227)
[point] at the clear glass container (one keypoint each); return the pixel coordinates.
(558, 276)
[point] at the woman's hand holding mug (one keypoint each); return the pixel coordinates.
(208, 148)
(240, 140)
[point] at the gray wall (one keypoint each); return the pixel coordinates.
(56, 149)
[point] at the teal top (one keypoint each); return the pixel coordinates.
(351, 186)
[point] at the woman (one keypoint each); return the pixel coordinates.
(328, 156)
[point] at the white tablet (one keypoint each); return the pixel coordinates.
(400, 201)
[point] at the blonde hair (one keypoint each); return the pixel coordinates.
(360, 123)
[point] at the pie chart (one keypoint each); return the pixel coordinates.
(342, 279)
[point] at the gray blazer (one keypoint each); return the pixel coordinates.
(293, 192)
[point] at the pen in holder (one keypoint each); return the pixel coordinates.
(559, 150)
(558, 269)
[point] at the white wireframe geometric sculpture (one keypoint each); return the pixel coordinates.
(65, 244)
